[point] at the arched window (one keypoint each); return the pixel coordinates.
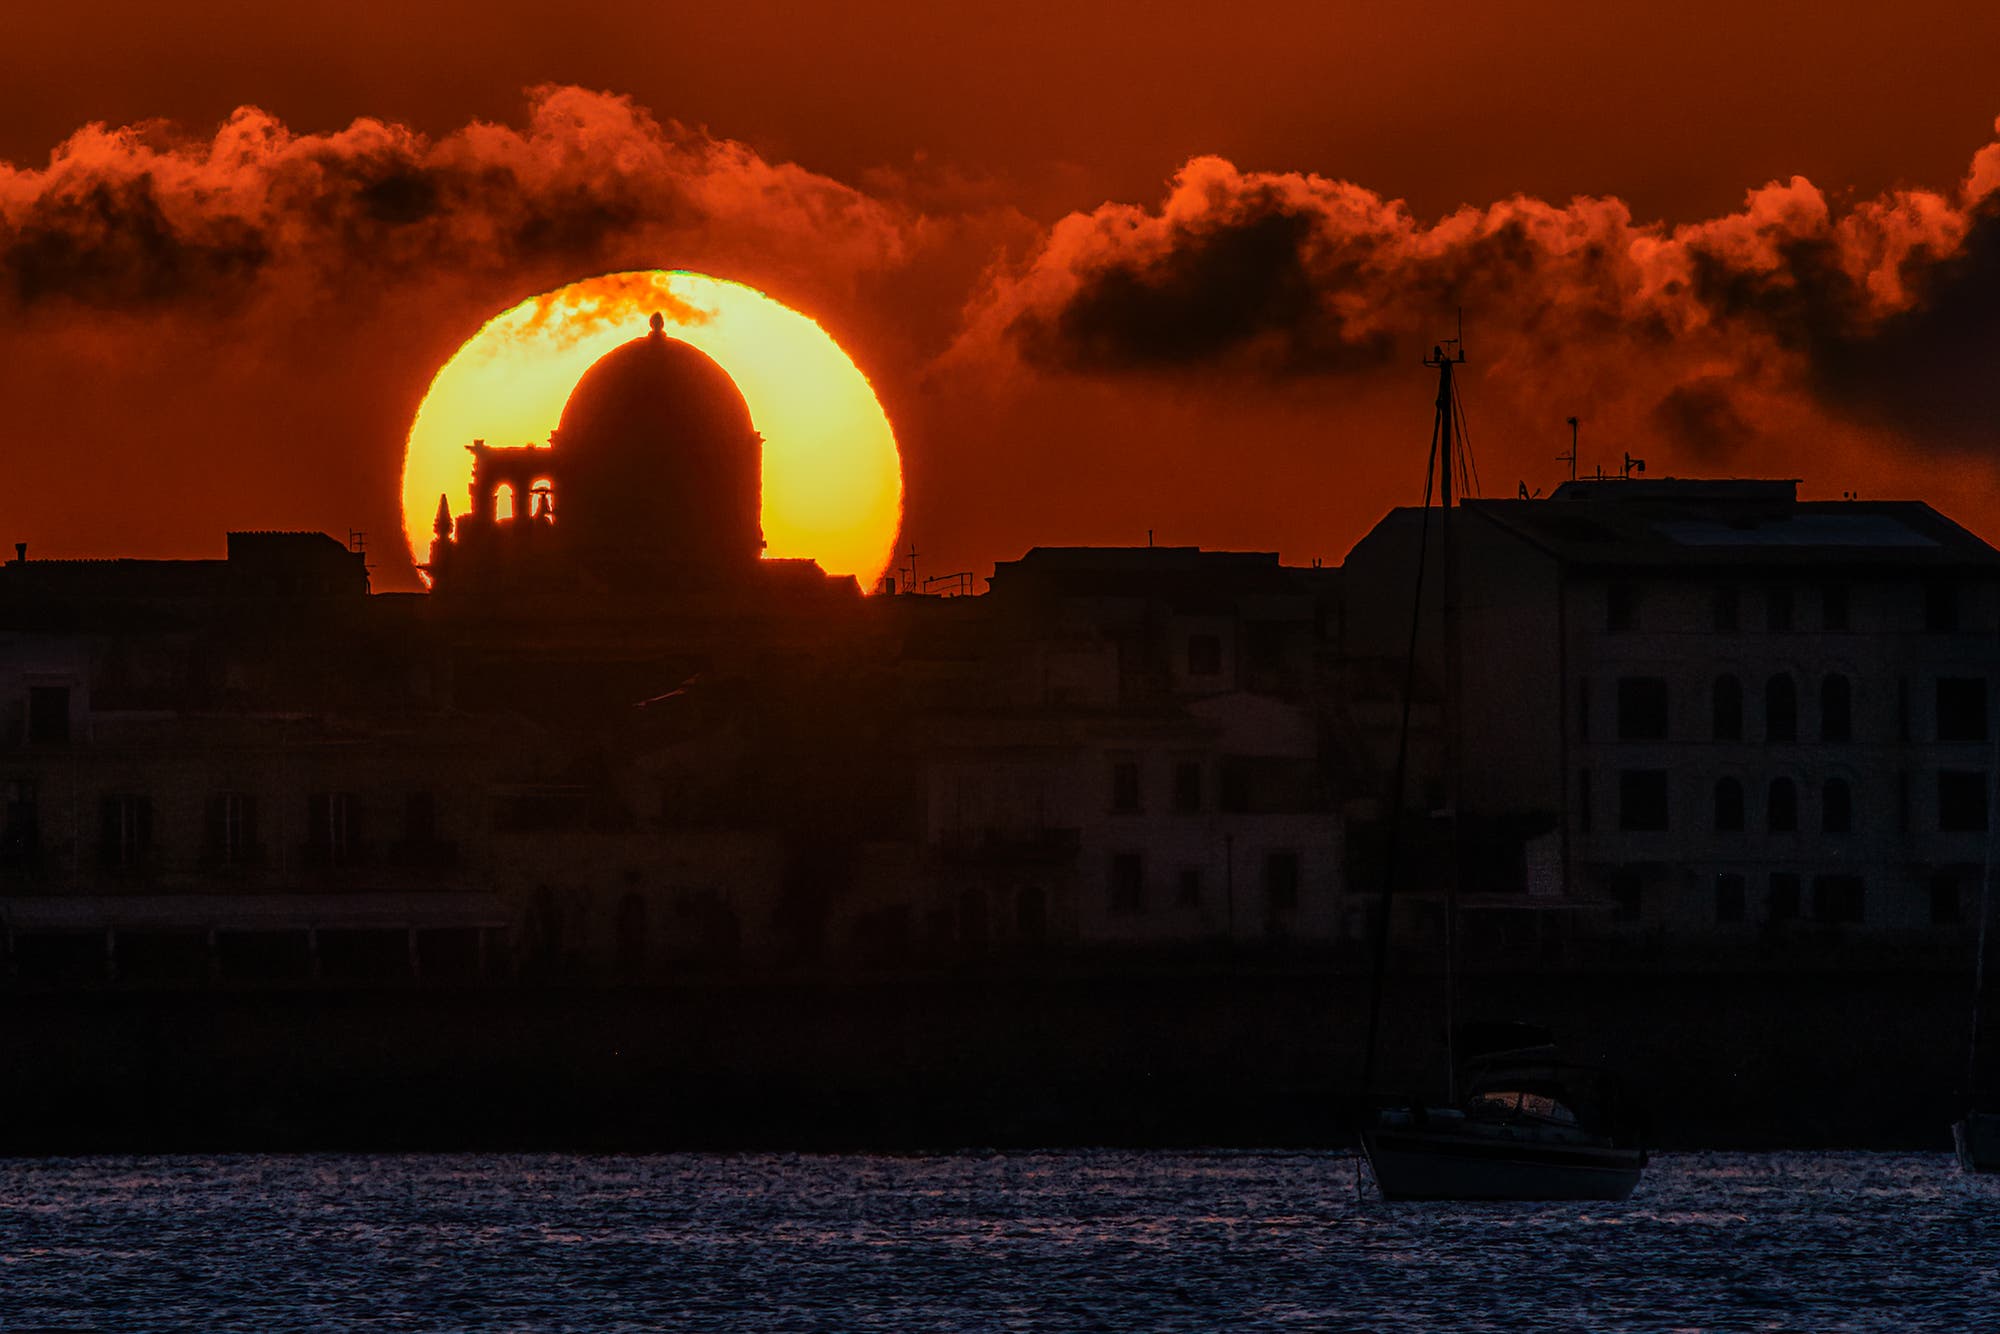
(632, 937)
(1836, 807)
(543, 930)
(1781, 708)
(1031, 916)
(503, 503)
(1836, 709)
(1781, 807)
(1728, 700)
(1728, 806)
(543, 506)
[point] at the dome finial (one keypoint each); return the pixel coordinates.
(658, 322)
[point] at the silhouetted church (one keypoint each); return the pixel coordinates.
(651, 484)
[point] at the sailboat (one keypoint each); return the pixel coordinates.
(1530, 1126)
(1977, 1139)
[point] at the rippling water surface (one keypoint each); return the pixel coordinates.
(1085, 1240)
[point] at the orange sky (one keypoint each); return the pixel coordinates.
(1110, 267)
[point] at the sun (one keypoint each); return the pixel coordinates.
(833, 481)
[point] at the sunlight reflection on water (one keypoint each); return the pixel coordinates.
(1107, 1240)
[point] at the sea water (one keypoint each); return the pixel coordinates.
(1089, 1240)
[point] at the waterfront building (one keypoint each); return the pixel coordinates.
(614, 742)
(1708, 710)
(1136, 752)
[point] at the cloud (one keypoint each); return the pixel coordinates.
(138, 218)
(1884, 310)
(1926, 365)
(1701, 418)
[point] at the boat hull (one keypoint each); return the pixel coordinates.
(1419, 1165)
(1977, 1139)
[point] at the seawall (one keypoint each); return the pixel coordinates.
(1724, 1060)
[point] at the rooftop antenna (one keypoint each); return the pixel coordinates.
(910, 571)
(1632, 465)
(1570, 458)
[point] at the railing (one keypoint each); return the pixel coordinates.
(1047, 846)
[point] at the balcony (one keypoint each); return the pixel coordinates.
(1009, 847)
(423, 854)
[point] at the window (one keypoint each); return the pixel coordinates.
(1728, 806)
(1031, 915)
(1962, 801)
(1264, 645)
(333, 828)
(1728, 709)
(1621, 608)
(1729, 897)
(1187, 787)
(21, 834)
(1628, 897)
(1778, 611)
(420, 819)
(1583, 801)
(48, 715)
(1961, 708)
(1583, 709)
(1940, 608)
(1781, 708)
(1944, 899)
(1836, 709)
(1233, 788)
(1204, 655)
(1836, 807)
(1128, 884)
(125, 829)
(232, 829)
(1833, 607)
(1724, 603)
(1781, 806)
(1784, 901)
(1642, 708)
(1642, 799)
(631, 935)
(1839, 898)
(1188, 894)
(1281, 881)
(1125, 787)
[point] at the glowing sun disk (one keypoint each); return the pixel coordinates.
(833, 487)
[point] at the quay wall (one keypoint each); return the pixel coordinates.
(1815, 1059)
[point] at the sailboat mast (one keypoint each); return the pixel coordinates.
(1447, 438)
(1443, 442)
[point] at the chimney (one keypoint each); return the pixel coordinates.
(20, 551)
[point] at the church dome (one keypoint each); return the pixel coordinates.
(659, 467)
